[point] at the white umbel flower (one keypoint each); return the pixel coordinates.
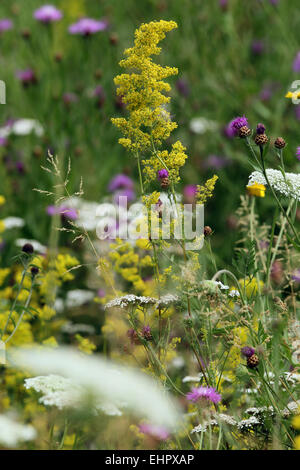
(107, 381)
(289, 188)
(13, 433)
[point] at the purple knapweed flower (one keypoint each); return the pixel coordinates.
(237, 123)
(161, 174)
(64, 211)
(296, 63)
(298, 153)
(123, 196)
(158, 432)
(223, 4)
(257, 47)
(216, 161)
(247, 351)
(5, 25)
(183, 87)
(27, 77)
(296, 276)
(69, 98)
(88, 26)
(120, 181)
(3, 141)
(48, 14)
(206, 393)
(260, 129)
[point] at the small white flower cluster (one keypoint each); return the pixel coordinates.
(291, 408)
(72, 328)
(234, 293)
(190, 378)
(261, 411)
(289, 188)
(219, 418)
(57, 391)
(249, 423)
(64, 393)
(167, 299)
(78, 297)
(13, 222)
(130, 299)
(12, 432)
(200, 125)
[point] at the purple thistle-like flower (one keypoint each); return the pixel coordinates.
(190, 190)
(123, 196)
(161, 174)
(64, 211)
(120, 181)
(216, 161)
(88, 26)
(298, 153)
(183, 87)
(157, 432)
(207, 393)
(5, 25)
(48, 14)
(296, 276)
(296, 63)
(260, 129)
(27, 76)
(257, 47)
(247, 351)
(237, 123)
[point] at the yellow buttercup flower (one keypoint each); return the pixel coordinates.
(2, 200)
(295, 95)
(257, 190)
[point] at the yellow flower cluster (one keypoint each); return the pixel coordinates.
(205, 192)
(171, 161)
(143, 90)
(128, 263)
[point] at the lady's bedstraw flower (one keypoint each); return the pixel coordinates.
(88, 26)
(48, 14)
(144, 93)
(206, 393)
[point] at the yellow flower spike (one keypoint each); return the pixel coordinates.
(205, 192)
(2, 200)
(256, 189)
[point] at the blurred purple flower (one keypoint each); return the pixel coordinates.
(296, 276)
(120, 181)
(216, 161)
(124, 193)
(298, 153)
(207, 393)
(158, 432)
(223, 4)
(257, 47)
(183, 87)
(296, 63)
(5, 25)
(69, 98)
(88, 26)
(3, 141)
(27, 77)
(260, 129)
(247, 351)
(64, 211)
(101, 293)
(48, 14)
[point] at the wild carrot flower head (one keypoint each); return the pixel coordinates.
(206, 393)
(48, 14)
(237, 123)
(88, 26)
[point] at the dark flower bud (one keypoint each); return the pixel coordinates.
(207, 231)
(146, 333)
(260, 129)
(34, 271)
(247, 351)
(28, 248)
(279, 143)
(252, 361)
